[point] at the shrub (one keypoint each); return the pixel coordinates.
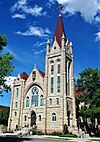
(39, 133)
(56, 133)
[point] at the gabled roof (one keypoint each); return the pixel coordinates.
(59, 30)
(24, 75)
(42, 73)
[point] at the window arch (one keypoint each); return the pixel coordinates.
(54, 117)
(27, 101)
(35, 92)
(41, 100)
(51, 61)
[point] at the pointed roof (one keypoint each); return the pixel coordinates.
(42, 73)
(59, 30)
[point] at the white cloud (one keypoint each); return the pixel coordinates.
(88, 9)
(97, 36)
(35, 31)
(36, 10)
(23, 7)
(9, 80)
(21, 16)
(39, 44)
(97, 19)
(39, 48)
(39, 52)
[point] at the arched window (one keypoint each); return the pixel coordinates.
(16, 104)
(57, 99)
(58, 68)
(25, 118)
(15, 113)
(52, 69)
(27, 101)
(17, 92)
(58, 84)
(52, 84)
(50, 102)
(53, 117)
(41, 100)
(68, 114)
(35, 96)
(39, 117)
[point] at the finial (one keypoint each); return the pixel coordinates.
(71, 44)
(55, 37)
(63, 36)
(60, 9)
(35, 66)
(67, 42)
(48, 41)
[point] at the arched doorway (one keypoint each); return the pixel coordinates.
(33, 118)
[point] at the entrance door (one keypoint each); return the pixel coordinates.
(33, 118)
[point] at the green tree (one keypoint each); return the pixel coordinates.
(4, 115)
(6, 66)
(89, 88)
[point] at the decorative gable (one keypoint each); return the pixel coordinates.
(55, 47)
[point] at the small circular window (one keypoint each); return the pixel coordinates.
(55, 47)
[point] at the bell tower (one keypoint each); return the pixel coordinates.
(59, 81)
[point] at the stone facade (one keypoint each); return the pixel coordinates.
(46, 101)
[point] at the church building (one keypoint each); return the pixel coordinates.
(46, 101)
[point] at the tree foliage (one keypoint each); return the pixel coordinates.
(6, 66)
(89, 86)
(4, 115)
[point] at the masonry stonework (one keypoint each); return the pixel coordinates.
(46, 100)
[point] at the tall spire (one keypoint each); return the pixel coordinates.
(59, 27)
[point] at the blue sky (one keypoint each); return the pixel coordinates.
(29, 23)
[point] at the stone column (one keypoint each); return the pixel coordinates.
(46, 83)
(11, 110)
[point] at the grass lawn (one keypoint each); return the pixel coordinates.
(57, 139)
(94, 140)
(68, 135)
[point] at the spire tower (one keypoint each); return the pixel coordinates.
(59, 27)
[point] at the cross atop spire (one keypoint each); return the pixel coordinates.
(60, 9)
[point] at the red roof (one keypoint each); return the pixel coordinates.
(1, 107)
(24, 75)
(42, 73)
(59, 30)
(78, 92)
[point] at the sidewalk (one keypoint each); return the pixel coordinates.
(69, 139)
